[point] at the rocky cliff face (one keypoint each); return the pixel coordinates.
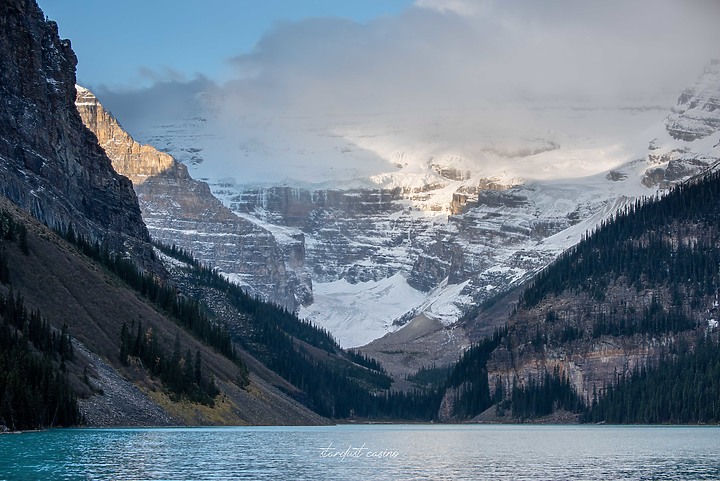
(697, 113)
(351, 234)
(366, 237)
(690, 142)
(50, 163)
(591, 363)
(182, 211)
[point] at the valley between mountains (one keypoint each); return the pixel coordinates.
(419, 246)
(565, 276)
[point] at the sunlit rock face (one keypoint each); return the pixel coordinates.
(137, 162)
(182, 211)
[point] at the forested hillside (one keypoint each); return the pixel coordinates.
(620, 327)
(194, 338)
(334, 382)
(144, 352)
(34, 386)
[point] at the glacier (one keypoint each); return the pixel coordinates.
(433, 212)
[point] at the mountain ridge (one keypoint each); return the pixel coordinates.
(54, 172)
(180, 210)
(81, 260)
(441, 225)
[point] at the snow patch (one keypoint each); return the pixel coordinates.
(359, 313)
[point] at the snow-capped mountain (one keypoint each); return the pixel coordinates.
(398, 223)
(689, 142)
(696, 114)
(182, 211)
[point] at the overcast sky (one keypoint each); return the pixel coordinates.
(471, 59)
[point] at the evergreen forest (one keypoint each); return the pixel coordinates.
(34, 387)
(667, 245)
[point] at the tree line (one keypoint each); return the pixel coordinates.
(468, 377)
(186, 311)
(669, 241)
(34, 387)
(682, 389)
(340, 384)
(266, 312)
(543, 396)
(667, 244)
(182, 376)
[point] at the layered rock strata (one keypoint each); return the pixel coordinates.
(50, 163)
(182, 211)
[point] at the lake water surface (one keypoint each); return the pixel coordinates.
(365, 452)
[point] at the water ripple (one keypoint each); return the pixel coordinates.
(379, 452)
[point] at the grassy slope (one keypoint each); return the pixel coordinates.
(69, 288)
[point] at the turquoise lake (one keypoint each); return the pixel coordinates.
(365, 452)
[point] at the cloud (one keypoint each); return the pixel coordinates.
(462, 7)
(459, 69)
(166, 74)
(455, 52)
(165, 100)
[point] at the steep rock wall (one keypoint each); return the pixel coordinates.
(50, 163)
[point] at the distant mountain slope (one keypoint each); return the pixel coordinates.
(449, 228)
(636, 294)
(688, 142)
(696, 114)
(527, 221)
(95, 304)
(450, 219)
(182, 211)
(628, 304)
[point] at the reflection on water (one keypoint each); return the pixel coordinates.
(365, 452)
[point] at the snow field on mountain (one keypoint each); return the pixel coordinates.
(359, 313)
(563, 167)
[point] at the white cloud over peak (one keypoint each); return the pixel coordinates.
(447, 78)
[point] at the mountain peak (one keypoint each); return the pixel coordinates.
(183, 211)
(136, 161)
(697, 113)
